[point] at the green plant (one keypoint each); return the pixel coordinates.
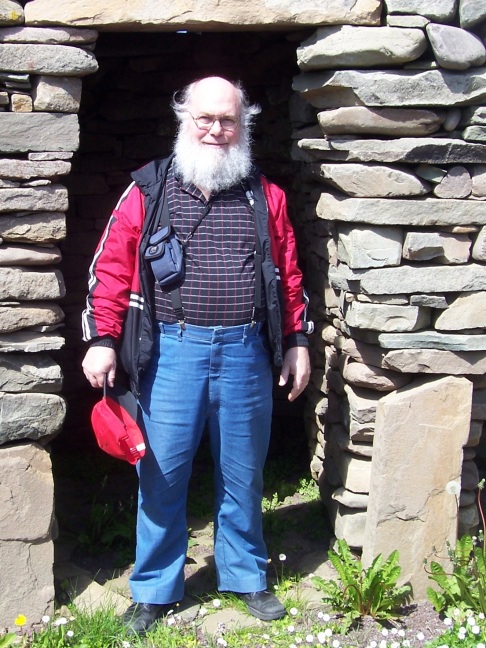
(8, 639)
(465, 586)
(269, 506)
(308, 490)
(101, 629)
(363, 592)
(462, 630)
(285, 581)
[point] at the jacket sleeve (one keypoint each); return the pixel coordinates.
(113, 274)
(284, 254)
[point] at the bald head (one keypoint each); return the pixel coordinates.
(221, 90)
(222, 95)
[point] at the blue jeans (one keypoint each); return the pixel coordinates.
(220, 376)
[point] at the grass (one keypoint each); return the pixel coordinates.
(305, 625)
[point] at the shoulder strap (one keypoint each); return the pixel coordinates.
(257, 301)
(257, 200)
(163, 220)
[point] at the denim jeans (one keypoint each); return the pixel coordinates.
(220, 376)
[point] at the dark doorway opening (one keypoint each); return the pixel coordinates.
(125, 121)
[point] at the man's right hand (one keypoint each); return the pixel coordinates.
(98, 362)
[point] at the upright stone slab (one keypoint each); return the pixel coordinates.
(420, 431)
(26, 517)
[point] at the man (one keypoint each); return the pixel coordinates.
(208, 361)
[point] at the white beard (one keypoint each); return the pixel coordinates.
(208, 167)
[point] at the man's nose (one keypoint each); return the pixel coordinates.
(216, 127)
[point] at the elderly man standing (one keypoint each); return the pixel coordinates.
(199, 351)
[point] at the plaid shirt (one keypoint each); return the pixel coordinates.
(219, 282)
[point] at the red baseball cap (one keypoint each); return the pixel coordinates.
(114, 422)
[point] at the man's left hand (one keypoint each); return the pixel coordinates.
(296, 363)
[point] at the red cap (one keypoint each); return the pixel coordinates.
(114, 421)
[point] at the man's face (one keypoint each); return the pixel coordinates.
(216, 100)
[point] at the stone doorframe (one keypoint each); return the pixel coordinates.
(393, 216)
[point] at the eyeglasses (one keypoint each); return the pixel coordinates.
(206, 122)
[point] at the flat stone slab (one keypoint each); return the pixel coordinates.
(51, 36)
(360, 374)
(386, 317)
(426, 340)
(410, 279)
(409, 150)
(426, 212)
(27, 169)
(444, 247)
(436, 361)
(369, 247)
(466, 312)
(349, 46)
(30, 341)
(370, 181)
(29, 284)
(440, 10)
(399, 122)
(36, 372)
(30, 255)
(55, 60)
(36, 227)
(92, 596)
(392, 88)
(22, 132)
(34, 315)
(50, 198)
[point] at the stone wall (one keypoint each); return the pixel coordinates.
(40, 90)
(395, 256)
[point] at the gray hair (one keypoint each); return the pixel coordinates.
(182, 99)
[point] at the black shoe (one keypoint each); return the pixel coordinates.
(142, 617)
(264, 605)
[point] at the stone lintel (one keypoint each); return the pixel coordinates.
(145, 15)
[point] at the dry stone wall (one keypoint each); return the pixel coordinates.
(395, 255)
(40, 90)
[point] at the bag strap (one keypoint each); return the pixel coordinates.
(206, 211)
(175, 294)
(257, 300)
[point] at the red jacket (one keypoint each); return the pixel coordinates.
(117, 271)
